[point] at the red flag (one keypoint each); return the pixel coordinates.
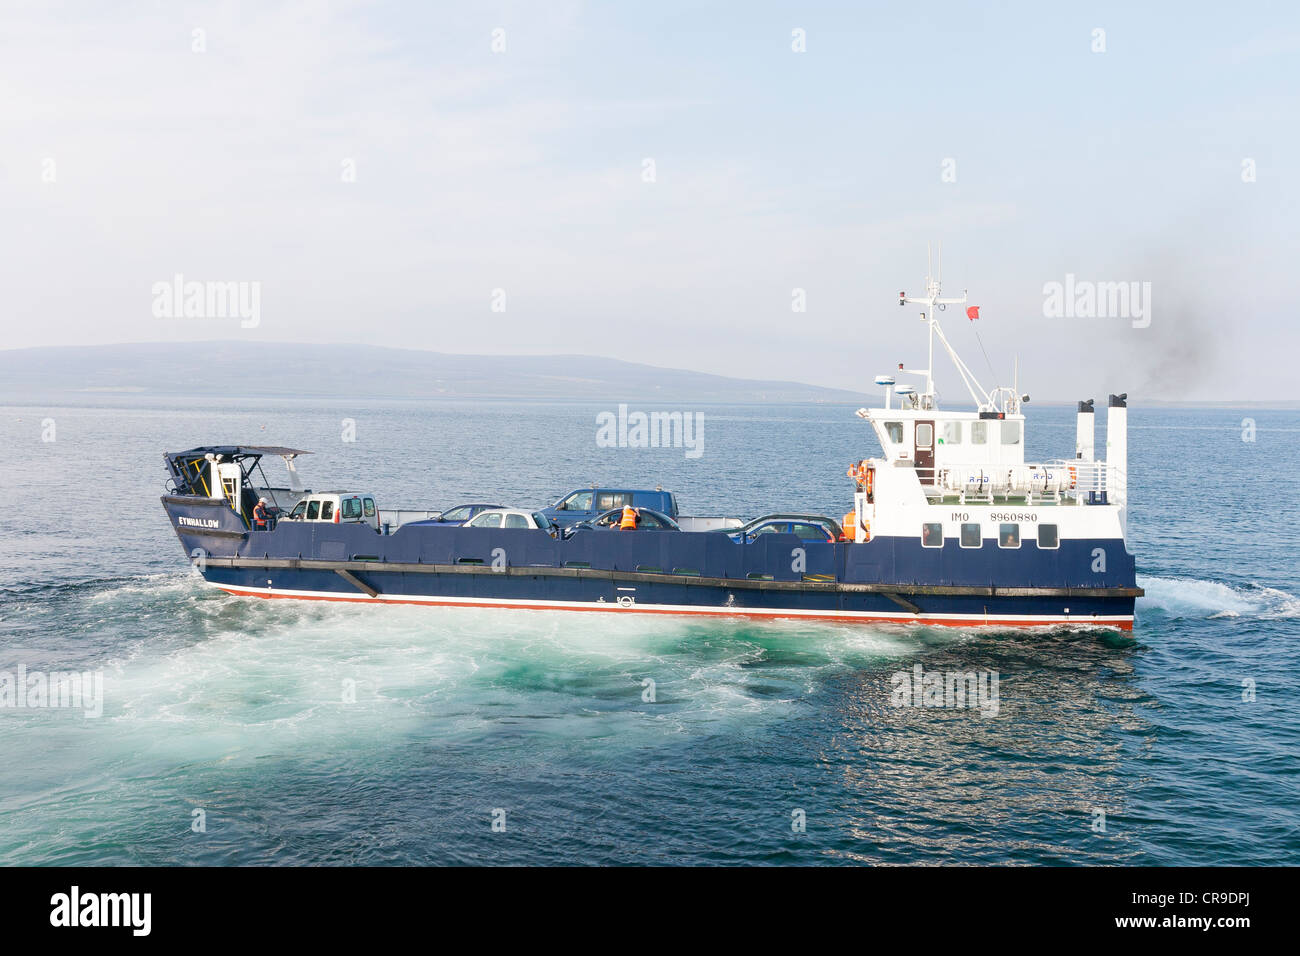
(973, 312)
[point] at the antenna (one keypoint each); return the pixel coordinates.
(932, 298)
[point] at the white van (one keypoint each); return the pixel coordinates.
(338, 507)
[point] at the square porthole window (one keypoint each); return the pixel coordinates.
(1048, 536)
(971, 537)
(1008, 536)
(932, 534)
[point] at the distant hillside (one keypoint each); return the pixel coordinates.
(313, 371)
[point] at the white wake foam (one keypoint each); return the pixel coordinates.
(1191, 597)
(201, 677)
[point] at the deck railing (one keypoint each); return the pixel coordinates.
(1059, 481)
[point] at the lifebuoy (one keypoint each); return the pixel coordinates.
(864, 475)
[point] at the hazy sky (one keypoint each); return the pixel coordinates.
(127, 157)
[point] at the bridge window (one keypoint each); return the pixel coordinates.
(1008, 536)
(1011, 433)
(979, 433)
(952, 433)
(1048, 536)
(894, 431)
(971, 536)
(313, 510)
(932, 534)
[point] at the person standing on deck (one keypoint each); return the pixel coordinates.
(629, 519)
(261, 520)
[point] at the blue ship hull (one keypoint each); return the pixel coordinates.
(776, 576)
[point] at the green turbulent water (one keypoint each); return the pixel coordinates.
(236, 731)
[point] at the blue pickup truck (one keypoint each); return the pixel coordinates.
(588, 503)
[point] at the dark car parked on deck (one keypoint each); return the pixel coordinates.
(458, 514)
(807, 527)
(589, 504)
(650, 520)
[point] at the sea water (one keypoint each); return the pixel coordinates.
(239, 731)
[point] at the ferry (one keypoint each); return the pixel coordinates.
(950, 526)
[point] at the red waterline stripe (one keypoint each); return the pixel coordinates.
(1123, 625)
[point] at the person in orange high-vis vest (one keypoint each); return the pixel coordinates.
(261, 520)
(629, 519)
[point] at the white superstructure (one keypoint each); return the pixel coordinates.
(945, 472)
